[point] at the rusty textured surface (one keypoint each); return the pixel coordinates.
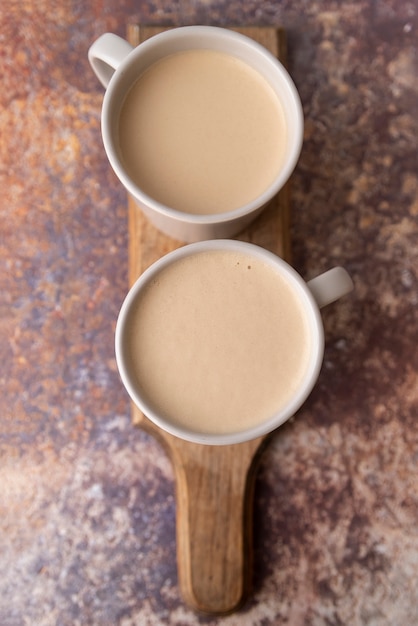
(87, 506)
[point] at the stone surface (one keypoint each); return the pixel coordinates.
(87, 505)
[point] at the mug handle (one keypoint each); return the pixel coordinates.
(106, 54)
(330, 286)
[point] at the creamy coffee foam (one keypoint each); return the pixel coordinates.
(202, 132)
(218, 342)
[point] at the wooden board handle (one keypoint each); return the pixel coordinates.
(214, 525)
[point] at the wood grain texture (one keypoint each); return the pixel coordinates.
(214, 484)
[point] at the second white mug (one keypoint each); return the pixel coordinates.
(221, 341)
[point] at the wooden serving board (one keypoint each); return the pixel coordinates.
(214, 484)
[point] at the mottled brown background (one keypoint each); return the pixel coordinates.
(87, 506)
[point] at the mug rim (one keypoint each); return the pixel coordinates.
(161, 208)
(278, 418)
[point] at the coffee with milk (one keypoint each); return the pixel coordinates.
(202, 132)
(218, 342)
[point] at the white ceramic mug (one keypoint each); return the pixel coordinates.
(118, 66)
(184, 297)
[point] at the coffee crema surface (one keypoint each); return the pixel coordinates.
(218, 341)
(202, 132)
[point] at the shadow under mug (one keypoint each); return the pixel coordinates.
(118, 66)
(310, 297)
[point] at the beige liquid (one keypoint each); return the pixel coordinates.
(202, 132)
(219, 342)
